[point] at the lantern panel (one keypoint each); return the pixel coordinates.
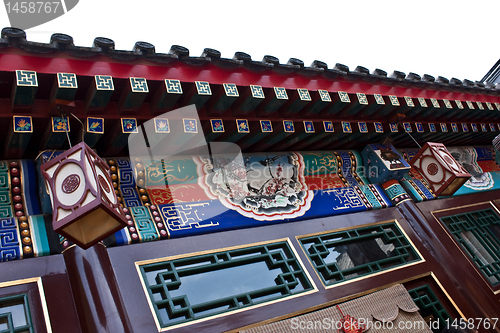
(84, 203)
(106, 186)
(90, 171)
(91, 226)
(70, 184)
(443, 173)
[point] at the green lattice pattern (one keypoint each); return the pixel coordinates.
(344, 255)
(479, 235)
(191, 288)
(15, 315)
(428, 304)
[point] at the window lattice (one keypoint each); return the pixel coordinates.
(429, 305)
(479, 235)
(15, 315)
(344, 255)
(186, 289)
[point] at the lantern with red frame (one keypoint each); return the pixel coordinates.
(85, 208)
(435, 163)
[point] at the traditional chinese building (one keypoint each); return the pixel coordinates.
(259, 196)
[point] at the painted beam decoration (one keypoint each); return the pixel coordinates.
(383, 163)
(198, 194)
(24, 88)
(481, 163)
(182, 196)
(85, 208)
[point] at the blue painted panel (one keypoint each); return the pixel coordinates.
(346, 168)
(334, 202)
(29, 181)
(193, 218)
(10, 246)
(127, 183)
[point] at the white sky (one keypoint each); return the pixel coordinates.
(439, 37)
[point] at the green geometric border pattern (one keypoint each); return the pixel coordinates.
(162, 279)
(425, 299)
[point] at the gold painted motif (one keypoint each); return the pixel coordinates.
(167, 170)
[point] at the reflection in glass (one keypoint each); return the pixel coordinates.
(191, 288)
(14, 314)
(430, 308)
(345, 255)
(479, 235)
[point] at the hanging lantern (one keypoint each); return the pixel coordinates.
(85, 208)
(439, 168)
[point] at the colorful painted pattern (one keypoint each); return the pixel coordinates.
(395, 192)
(257, 186)
(194, 195)
(10, 245)
(482, 164)
(417, 187)
(126, 185)
(191, 195)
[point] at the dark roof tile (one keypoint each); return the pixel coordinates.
(272, 60)
(211, 53)
(277, 67)
(105, 44)
(295, 62)
(319, 65)
(398, 75)
(362, 70)
(428, 78)
(379, 72)
(214, 56)
(468, 83)
(13, 37)
(245, 57)
(341, 68)
(144, 48)
(249, 63)
(479, 84)
(456, 82)
(179, 51)
(413, 77)
(442, 80)
(61, 41)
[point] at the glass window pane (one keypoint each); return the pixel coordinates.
(344, 255)
(14, 313)
(17, 313)
(195, 287)
(478, 233)
(430, 307)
